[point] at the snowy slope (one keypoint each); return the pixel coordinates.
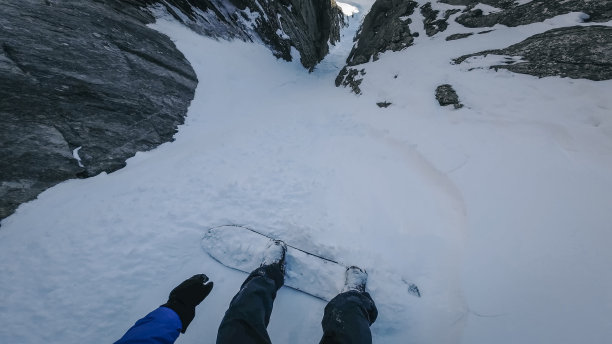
(499, 211)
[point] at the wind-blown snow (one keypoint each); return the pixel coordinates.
(500, 211)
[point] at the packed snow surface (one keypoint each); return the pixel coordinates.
(500, 212)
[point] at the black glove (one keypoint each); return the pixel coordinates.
(186, 296)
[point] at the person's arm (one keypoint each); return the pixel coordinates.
(163, 325)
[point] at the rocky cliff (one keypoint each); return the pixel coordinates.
(86, 84)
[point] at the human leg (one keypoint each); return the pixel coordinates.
(348, 316)
(247, 318)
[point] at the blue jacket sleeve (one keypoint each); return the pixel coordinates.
(162, 326)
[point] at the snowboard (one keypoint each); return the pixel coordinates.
(241, 248)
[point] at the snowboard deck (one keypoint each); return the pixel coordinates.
(241, 248)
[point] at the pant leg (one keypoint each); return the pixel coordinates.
(347, 319)
(247, 318)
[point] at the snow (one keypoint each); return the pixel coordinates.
(348, 9)
(75, 155)
(499, 211)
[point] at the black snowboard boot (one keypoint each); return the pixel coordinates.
(356, 279)
(275, 255)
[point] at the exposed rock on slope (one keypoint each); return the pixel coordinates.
(575, 52)
(350, 77)
(384, 28)
(457, 36)
(531, 12)
(446, 95)
(432, 24)
(82, 73)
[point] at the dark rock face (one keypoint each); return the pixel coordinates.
(458, 36)
(579, 52)
(446, 95)
(308, 26)
(384, 28)
(350, 77)
(431, 23)
(84, 74)
(531, 12)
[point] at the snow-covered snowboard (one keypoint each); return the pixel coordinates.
(241, 248)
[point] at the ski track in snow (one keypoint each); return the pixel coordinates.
(465, 203)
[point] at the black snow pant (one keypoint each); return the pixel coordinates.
(346, 320)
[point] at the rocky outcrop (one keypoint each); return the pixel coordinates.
(446, 95)
(535, 11)
(350, 77)
(579, 52)
(89, 79)
(384, 28)
(84, 74)
(458, 36)
(432, 24)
